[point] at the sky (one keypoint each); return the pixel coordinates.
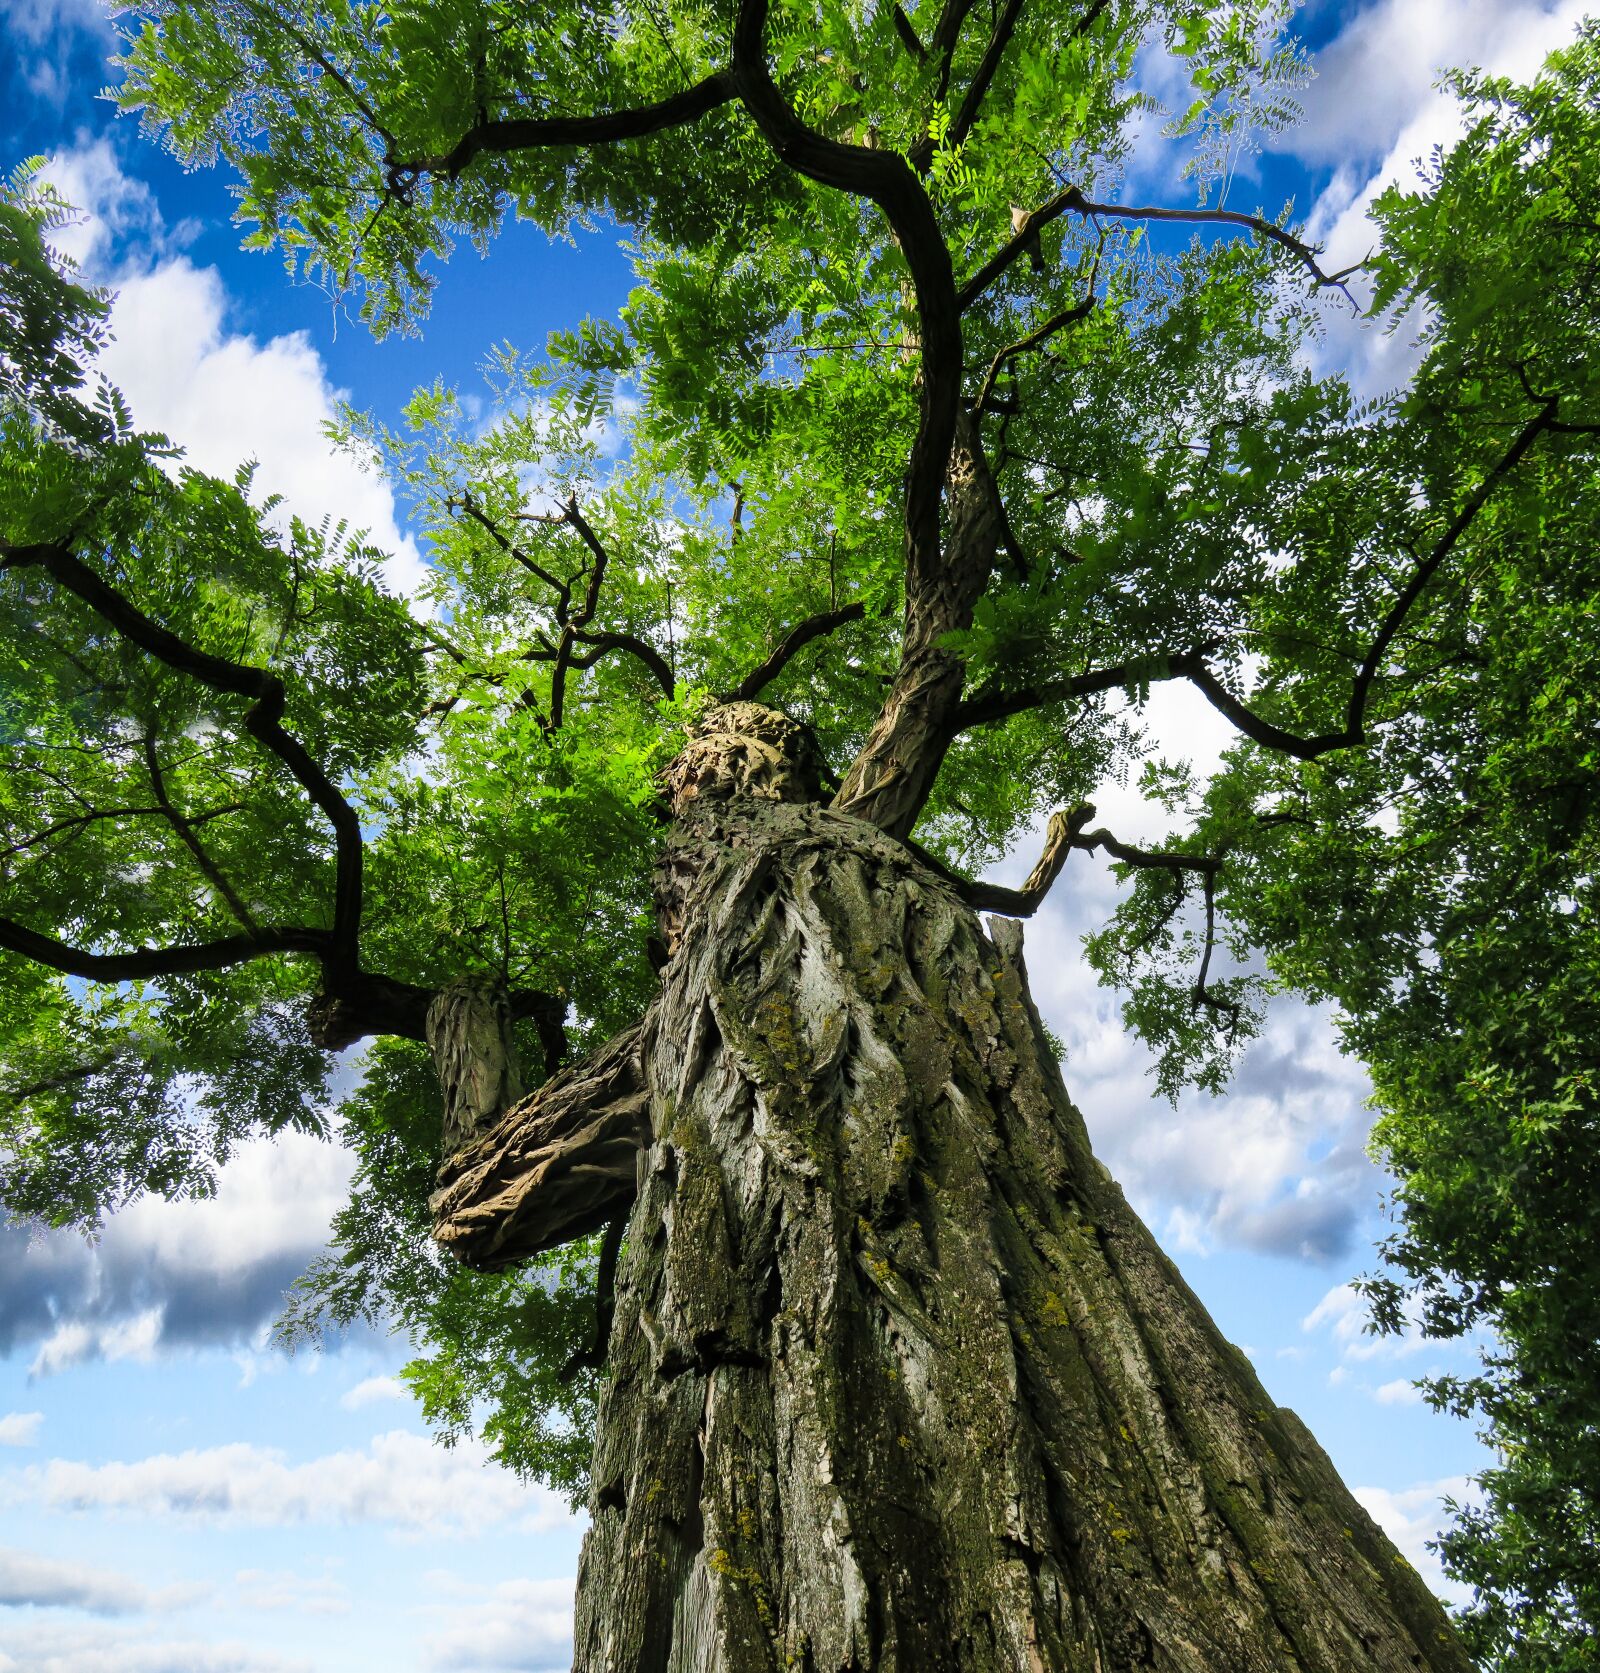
(179, 1496)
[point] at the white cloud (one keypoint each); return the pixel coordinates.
(1413, 1516)
(224, 397)
(44, 1582)
(296, 1594)
(73, 1342)
(400, 1480)
(1401, 1392)
(1375, 113)
(36, 21)
(115, 211)
(373, 1389)
(20, 1428)
(521, 1626)
(50, 1646)
(1344, 1313)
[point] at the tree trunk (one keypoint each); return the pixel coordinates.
(898, 1381)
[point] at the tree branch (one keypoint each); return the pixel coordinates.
(653, 660)
(814, 627)
(886, 180)
(1071, 200)
(526, 133)
(151, 963)
(263, 721)
(605, 1297)
(556, 1166)
(994, 703)
(1064, 834)
(1056, 322)
(1354, 732)
(212, 872)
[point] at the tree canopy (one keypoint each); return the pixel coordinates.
(244, 778)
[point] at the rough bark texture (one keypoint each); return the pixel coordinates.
(469, 1033)
(889, 780)
(898, 1381)
(555, 1166)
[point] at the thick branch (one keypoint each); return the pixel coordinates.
(151, 963)
(886, 180)
(526, 133)
(994, 703)
(558, 1165)
(263, 721)
(603, 643)
(814, 627)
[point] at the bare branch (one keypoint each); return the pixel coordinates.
(814, 627)
(1072, 200)
(1064, 834)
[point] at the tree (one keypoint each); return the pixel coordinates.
(881, 1370)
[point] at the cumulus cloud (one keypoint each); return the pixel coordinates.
(1344, 1314)
(1413, 1516)
(399, 1479)
(520, 1626)
(20, 1428)
(48, 1646)
(1401, 1392)
(222, 396)
(44, 1582)
(1375, 112)
(183, 1274)
(373, 1389)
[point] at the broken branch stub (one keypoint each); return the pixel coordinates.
(555, 1166)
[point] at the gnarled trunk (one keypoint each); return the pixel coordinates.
(898, 1381)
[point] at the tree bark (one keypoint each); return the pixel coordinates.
(897, 1379)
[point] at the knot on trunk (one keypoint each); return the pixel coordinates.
(469, 1033)
(744, 749)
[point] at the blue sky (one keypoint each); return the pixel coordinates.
(176, 1496)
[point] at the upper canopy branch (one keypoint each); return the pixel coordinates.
(1354, 731)
(1064, 834)
(1071, 200)
(886, 180)
(573, 623)
(814, 627)
(499, 135)
(263, 721)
